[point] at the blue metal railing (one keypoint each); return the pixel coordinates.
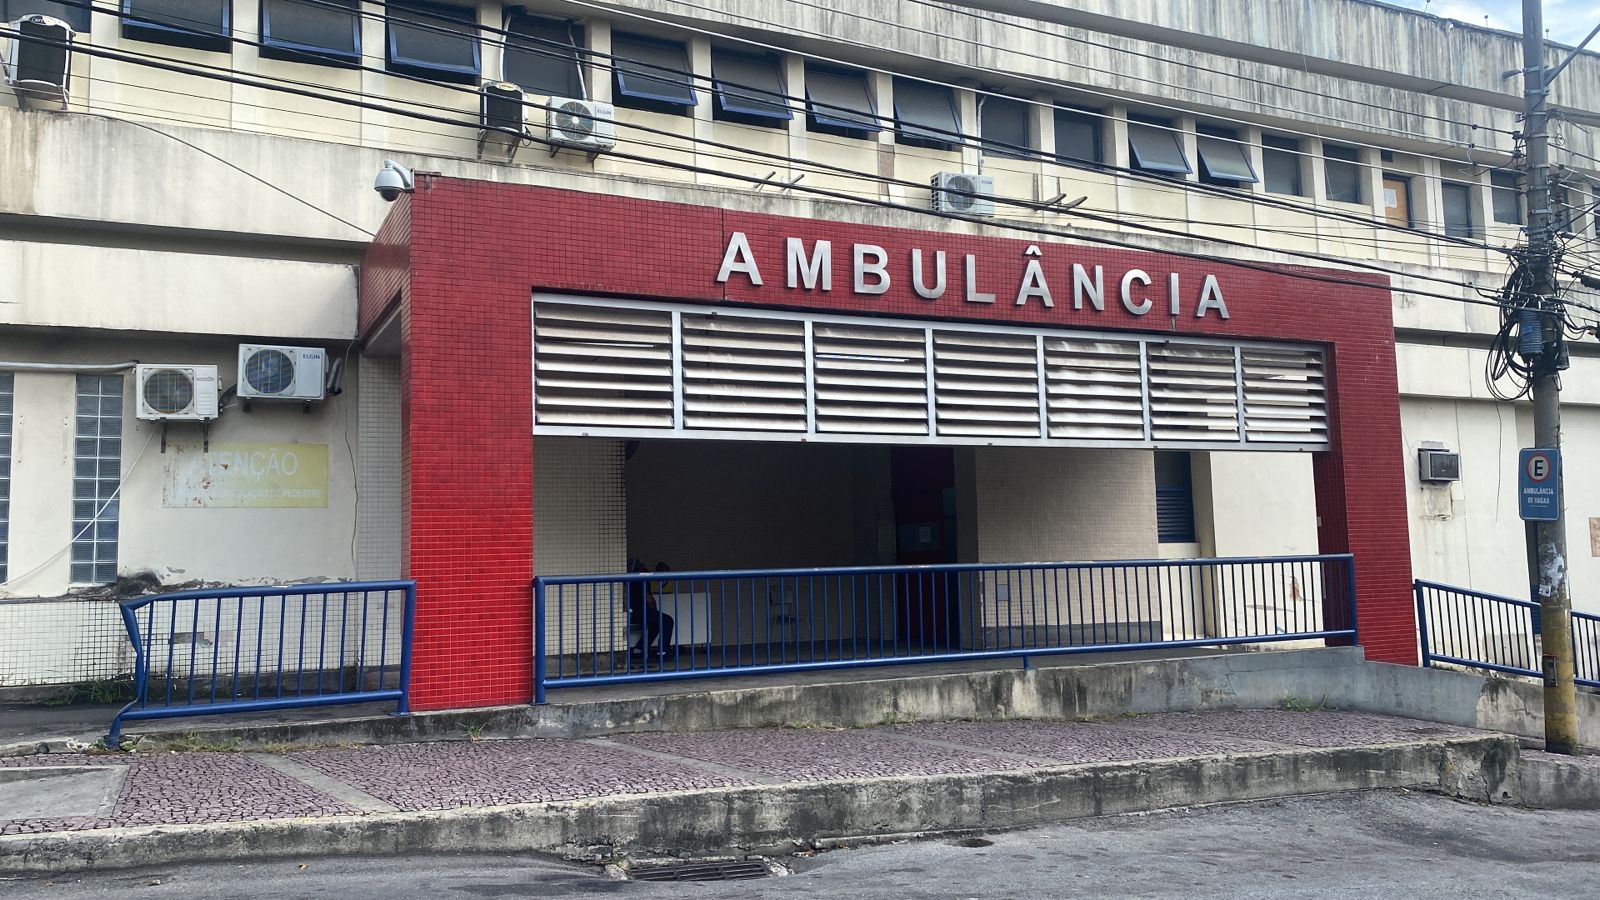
(241, 649)
(605, 629)
(1489, 631)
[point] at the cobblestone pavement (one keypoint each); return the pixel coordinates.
(185, 788)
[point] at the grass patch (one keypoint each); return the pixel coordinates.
(99, 692)
(1301, 704)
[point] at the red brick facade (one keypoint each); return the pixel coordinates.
(478, 251)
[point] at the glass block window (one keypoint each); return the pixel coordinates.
(7, 402)
(97, 471)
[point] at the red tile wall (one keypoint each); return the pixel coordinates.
(478, 250)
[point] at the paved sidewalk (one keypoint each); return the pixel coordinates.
(211, 787)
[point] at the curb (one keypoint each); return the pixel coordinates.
(858, 810)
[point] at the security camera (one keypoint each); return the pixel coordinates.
(392, 181)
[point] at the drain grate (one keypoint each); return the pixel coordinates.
(727, 870)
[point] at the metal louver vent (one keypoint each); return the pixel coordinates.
(598, 365)
(1095, 389)
(1285, 395)
(1193, 393)
(870, 380)
(744, 373)
(986, 384)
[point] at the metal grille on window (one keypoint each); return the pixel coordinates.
(986, 384)
(744, 373)
(1095, 389)
(1285, 396)
(1193, 393)
(602, 366)
(97, 473)
(7, 404)
(870, 380)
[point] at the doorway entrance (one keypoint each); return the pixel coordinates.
(923, 487)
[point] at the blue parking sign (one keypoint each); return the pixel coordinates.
(1539, 484)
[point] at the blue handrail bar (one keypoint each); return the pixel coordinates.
(251, 677)
(1243, 600)
(1458, 638)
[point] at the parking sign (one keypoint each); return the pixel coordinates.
(1539, 484)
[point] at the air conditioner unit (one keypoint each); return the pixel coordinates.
(1436, 464)
(502, 107)
(282, 373)
(958, 192)
(582, 124)
(38, 65)
(173, 393)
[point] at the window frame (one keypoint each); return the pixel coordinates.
(1463, 190)
(1095, 121)
(431, 11)
(906, 132)
(294, 51)
(1272, 148)
(577, 39)
(1411, 206)
(136, 28)
(1166, 490)
(77, 18)
(1222, 141)
(1353, 162)
(834, 123)
(633, 98)
(1514, 190)
(1168, 131)
(1007, 149)
(762, 115)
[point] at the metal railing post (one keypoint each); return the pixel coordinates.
(1422, 624)
(1355, 616)
(407, 630)
(538, 642)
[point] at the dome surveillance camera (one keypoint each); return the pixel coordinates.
(392, 181)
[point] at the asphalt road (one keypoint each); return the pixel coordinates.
(1344, 846)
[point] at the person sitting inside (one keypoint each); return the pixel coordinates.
(654, 624)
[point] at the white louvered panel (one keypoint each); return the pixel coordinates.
(986, 385)
(870, 380)
(744, 373)
(1193, 393)
(597, 365)
(1094, 389)
(1285, 395)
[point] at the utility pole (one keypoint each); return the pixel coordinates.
(1555, 601)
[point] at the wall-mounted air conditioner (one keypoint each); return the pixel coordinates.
(38, 63)
(958, 192)
(282, 373)
(174, 393)
(1438, 464)
(502, 108)
(582, 124)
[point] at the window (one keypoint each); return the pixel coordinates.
(307, 32)
(1563, 209)
(439, 42)
(1174, 498)
(749, 89)
(925, 115)
(1078, 136)
(1222, 158)
(1003, 125)
(1397, 200)
(541, 56)
(1342, 170)
(1458, 210)
(1280, 164)
(7, 395)
(201, 24)
(96, 474)
(1507, 198)
(838, 101)
(652, 74)
(1154, 147)
(72, 12)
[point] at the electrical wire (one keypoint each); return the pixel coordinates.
(509, 38)
(1268, 267)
